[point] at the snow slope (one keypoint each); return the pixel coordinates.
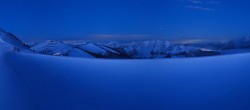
(11, 39)
(75, 52)
(208, 83)
(93, 49)
(241, 43)
(9, 94)
(52, 47)
(100, 51)
(58, 48)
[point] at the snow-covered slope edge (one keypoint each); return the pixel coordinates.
(11, 39)
(9, 93)
(58, 48)
(212, 83)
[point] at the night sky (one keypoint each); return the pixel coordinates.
(125, 19)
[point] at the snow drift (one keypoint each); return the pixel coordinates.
(44, 82)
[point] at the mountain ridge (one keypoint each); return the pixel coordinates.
(149, 49)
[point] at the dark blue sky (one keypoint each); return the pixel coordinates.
(125, 19)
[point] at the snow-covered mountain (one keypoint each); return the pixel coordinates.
(148, 49)
(237, 43)
(52, 47)
(10, 43)
(158, 49)
(58, 48)
(132, 50)
(135, 50)
(101, 51)
(12, 40)
(90, 50)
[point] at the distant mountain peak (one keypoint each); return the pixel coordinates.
(246, 39)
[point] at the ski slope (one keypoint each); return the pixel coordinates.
(39, 82)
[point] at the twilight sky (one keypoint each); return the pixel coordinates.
(125, 19)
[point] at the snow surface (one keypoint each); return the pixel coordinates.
(93, 49)
(9, 96)
(109, 49)
(75, 52)
(11, 40)
(48, 83)
(58, 48)
(52, 47)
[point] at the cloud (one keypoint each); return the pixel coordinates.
(213, 2)
(204, 5)
(202, 1)
(119, 37)
(200, 8)
(195, 1)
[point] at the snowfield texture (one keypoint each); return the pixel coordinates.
(11, 39)
(44, 82)
(31, 81)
